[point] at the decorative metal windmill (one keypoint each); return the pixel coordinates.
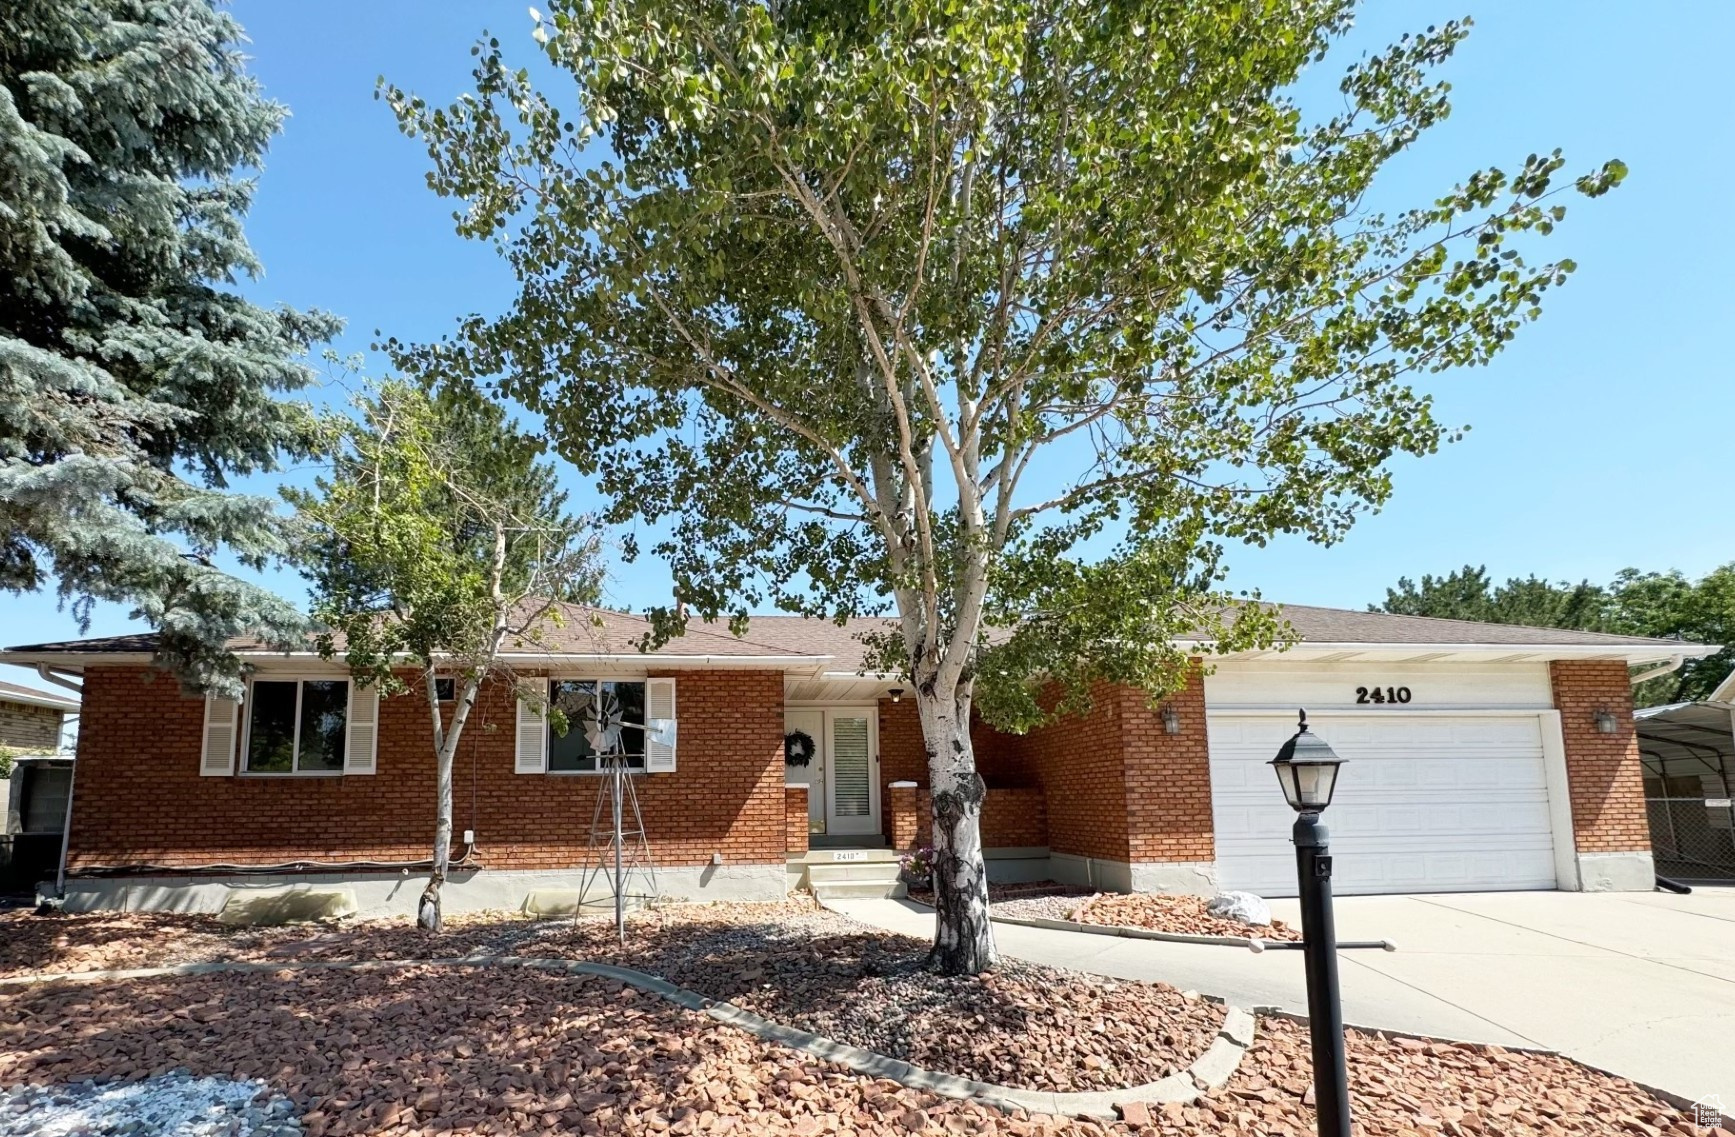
(616, 852)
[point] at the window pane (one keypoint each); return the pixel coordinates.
(621, 703)
(271, 730)
(45, 790)
(324, 716)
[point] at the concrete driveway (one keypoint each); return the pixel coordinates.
(1641, 984)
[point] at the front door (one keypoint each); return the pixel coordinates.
(852, 771)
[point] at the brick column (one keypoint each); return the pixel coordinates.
(795, 820)
(1170, 839)
(902, 803)
(1604, 777)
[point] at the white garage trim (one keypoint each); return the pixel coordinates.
(1566, 875)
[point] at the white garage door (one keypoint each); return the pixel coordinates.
(1424, 803)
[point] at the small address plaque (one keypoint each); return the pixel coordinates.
(1383, 695)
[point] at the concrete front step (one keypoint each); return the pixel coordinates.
(859, 889)
(828, 874)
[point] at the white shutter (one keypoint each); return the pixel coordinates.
(364, 730)
(532, 753)
(659, 704)
(217, 759)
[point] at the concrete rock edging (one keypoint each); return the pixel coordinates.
(1210, 1070)
(1127, 932)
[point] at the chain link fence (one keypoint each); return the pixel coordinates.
(1692, 836)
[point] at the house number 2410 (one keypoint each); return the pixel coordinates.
(1382, 694)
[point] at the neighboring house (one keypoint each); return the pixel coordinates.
(1480, 757)
(36, 728)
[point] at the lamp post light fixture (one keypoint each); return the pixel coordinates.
(1307, 770)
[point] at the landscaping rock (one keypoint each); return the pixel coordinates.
(167, 1105)
(1180, 915)
(1244, 907)
(498, 1050)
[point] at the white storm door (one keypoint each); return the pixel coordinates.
(810, 722)
(851, 774)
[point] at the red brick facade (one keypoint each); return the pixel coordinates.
(1011, 818)
(1602, 770)
(1112, 784)
(1119, 787)
(795, 820)
(141, 799)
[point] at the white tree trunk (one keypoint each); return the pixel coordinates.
(428, 908)
(963, 935)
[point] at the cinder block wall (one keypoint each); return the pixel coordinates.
(141, 800)
(1604, 776)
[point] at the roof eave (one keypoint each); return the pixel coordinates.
(1468, 653)
(77, 661)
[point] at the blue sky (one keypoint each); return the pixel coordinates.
(1600, 439)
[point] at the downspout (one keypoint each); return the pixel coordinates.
(65, 837)
(1659, 671)
(49, 676)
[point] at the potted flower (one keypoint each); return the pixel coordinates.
(917, 867)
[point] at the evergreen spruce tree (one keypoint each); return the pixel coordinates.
(134, 379)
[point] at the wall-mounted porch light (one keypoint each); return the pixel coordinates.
(1605, 721)
(897, 694)
(1171, 719)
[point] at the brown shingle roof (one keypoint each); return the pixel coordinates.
(13, 692)
(614, 633)
(1347, 626)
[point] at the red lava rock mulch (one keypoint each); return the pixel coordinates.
(104, 941)
(1183, 915)
(1021, 1025)
(422, 1051)
(794, 963)
(1402, 1087)
(513, 1050)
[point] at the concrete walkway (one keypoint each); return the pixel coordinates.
(1641, 984)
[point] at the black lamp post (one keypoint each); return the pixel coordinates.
(1307, 769)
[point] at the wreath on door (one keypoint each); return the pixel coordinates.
(798, 748)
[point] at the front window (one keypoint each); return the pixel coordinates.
(596, 713)
(297, 726)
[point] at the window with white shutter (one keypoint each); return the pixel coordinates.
(532, 745)
(217, 758)
(659, 706)
(364, 729)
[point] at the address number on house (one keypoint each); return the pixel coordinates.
(1382, 694)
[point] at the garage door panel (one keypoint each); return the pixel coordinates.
(1426, 803)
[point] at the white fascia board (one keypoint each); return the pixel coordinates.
(75, 661)
(809, 664)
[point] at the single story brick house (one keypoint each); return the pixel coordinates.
(1480, 757)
